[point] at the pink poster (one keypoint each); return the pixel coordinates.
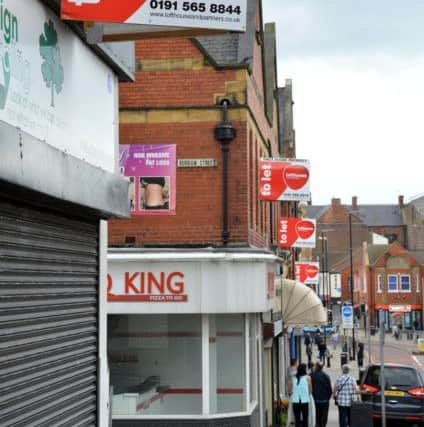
(151, 170)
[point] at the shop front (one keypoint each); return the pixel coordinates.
(403, 315)
(185, 336)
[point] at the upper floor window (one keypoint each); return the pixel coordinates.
(392, 283)
(379, 283)
(405, 283)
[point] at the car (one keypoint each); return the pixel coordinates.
(404, 392)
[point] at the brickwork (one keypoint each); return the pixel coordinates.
(174, 101)
(371, 280)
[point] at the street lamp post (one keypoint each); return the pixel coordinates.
(351, 285)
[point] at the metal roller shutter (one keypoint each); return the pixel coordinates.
(48, 318)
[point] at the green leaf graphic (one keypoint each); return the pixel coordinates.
(51, 68)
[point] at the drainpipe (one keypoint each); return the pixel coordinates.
(224, 134)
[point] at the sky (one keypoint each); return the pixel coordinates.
(357, 68)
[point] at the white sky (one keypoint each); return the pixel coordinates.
(358, 81)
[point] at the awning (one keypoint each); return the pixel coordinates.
(300, 305)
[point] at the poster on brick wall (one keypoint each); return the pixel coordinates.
(297, 232)
(307, 272)
(284, 179)
(151, 170)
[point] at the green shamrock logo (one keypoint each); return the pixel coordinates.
(51, 68)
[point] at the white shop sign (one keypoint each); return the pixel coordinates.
(52, 87)
(188, 287)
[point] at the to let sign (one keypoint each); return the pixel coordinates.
(296, 232)
(228, 15)
(284, 179)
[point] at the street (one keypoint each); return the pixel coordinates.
(395, 351)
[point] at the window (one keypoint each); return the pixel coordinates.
(405, 283)
(392, 283)
(418, 282)
(379, 283)
(227, 363)
(155, 364)
(253, 346)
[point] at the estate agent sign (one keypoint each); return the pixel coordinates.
(296, 232)
(284, 179)
(209, 14)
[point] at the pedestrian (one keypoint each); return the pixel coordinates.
(318, 338)
(308, 339)
(335, 339)
(360, 354)
(309, 352)
(322, 349)
(344, 390)
(416, 325)
(396, 331)
(300, 390)
(321, 391)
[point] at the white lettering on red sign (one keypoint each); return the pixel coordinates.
(284, 225)
(266, 176)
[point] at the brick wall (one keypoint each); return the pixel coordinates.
(174, 101)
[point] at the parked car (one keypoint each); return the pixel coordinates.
(404, 392)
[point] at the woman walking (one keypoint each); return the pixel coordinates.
(301, 389)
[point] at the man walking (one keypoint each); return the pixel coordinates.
(344, 390)
(322, 349)
(321, 391)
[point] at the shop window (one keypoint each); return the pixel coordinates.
(227, 358)
(379, 284)
(405, 283)
(253, 357)
(155, 364)
(392, 283)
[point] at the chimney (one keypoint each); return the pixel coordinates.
(354, 203)
(335, 202)
(401, 202)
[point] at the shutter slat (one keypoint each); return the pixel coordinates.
(48, 317)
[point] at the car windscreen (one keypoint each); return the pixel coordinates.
(401, 378)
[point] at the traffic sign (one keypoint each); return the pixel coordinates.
(347, 317)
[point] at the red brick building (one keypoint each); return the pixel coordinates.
(221, 245)
(386, 278)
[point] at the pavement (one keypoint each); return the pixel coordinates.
(396, 351)
(334, 371)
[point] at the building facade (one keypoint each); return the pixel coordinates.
(192, 281)
(59, 182)
(386, 278)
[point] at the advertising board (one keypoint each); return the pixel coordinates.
(229, 15)
(152, 173)
(297, 232)
(284, 179)
(53, 87)
(307, 272)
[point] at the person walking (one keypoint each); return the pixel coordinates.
(344, 390)
(322, 349)
(321, 392)
(300, 390)
(360, 354)
(335, 339)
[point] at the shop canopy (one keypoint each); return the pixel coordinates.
(300, 305)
